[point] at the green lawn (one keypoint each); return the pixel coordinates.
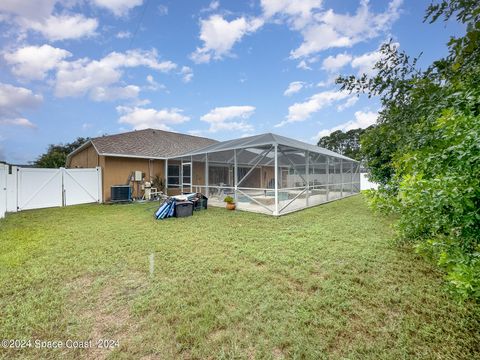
(327, 282)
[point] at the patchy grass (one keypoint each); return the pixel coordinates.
(324, 282)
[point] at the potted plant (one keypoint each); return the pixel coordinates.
(230, 202)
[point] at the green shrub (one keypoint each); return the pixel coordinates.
(425, 150)
(229, 200)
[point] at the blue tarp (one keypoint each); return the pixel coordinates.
(165, 210)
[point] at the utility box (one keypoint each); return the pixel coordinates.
(138, 176)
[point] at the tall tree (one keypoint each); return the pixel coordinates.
(56, 155)
(345, 143)
(425, 149)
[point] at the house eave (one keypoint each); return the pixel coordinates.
(133, 156)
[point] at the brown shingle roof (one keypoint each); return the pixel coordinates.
(148, 143)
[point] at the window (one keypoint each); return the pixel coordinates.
(241, 172)
(186, 173)
(218, 175)
(173, 175)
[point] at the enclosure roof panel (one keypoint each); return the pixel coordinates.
(262, 140)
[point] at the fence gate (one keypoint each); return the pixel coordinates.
(81, 186)
(42, 188)
(39, 188)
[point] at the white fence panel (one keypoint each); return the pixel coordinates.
(3, 189)
(82, 186)
(12, 188)
(34, 188)
(365, 184)
(39, 188)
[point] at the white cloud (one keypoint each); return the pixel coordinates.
(229, 118)
(33, 10)
(114, 93)
(335, 63)
(162, 10)
(33, 62)
(294, 87)
(220, 35)
(95, 77)
(214, 5)
(39, 16)
(151, 80)
(134, 58)
(18, 122)
(317, 38)
(323, 28)
(118, 7)
(123, 35)
(154, 85)
(330, 30)
(17, 97)
(302, 111)
(303, 65)
(13, 101)
(365, 63)
(63, 27)
(187, 74)
(143, 118)
(362, 120)
(349, 103)
(298, 13)
(100, 79)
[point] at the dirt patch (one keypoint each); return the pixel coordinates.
(105, 306)
(216, 335)
(80, 287)
(278, 354)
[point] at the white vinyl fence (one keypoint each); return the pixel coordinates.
(365, 184)
(3, 189)
(34, 188)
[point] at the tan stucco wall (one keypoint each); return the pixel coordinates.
(87, 158)
(268, 174)
(118, 170)
(198, 173)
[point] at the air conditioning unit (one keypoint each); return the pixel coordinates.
(120, 193)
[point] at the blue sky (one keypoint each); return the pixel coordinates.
(219, 69)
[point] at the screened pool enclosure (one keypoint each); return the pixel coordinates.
(265, 173)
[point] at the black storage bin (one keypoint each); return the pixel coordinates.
(183, 209)
(201, 202)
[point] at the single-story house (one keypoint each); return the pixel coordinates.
(266, 173)
(121, 155)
